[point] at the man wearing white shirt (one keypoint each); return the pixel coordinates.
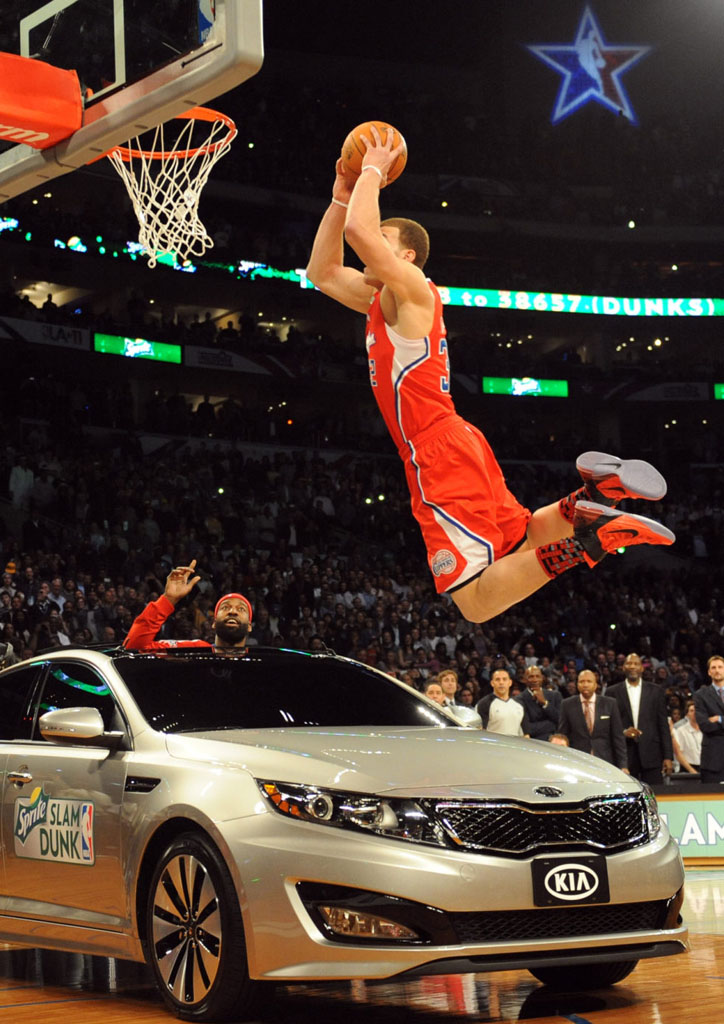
(645, 723)
(633, 691)
(56, 592)
(689, 736)
(499, 711)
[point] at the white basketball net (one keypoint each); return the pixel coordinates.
(165, 183)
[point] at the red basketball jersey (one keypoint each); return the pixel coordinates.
(410, 379)
(458, 494)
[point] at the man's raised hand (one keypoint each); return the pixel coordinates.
(180, 581)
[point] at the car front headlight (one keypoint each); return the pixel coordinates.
(653, 819)
(383, 816)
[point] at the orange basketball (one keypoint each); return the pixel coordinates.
(353, 148)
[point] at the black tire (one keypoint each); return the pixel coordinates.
(195, 935)
(585, 977)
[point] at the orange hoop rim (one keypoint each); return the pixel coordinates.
(127, 153)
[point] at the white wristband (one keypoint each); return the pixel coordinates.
(340, 203)
(371, 167)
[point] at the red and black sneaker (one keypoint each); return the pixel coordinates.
(600, 529)
(609, 479)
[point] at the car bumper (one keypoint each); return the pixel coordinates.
(274, 860)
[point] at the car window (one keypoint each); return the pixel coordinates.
(71, 684)
(182, 693)
(16, 705)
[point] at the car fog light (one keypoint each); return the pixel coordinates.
(364, 926)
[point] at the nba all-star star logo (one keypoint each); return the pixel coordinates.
(592, 69)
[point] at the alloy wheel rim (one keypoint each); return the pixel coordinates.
(187, 934)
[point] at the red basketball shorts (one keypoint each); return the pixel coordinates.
(458, 494)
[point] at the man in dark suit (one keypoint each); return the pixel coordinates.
(592, 723)
(542, 707)
(645, 723)
(709, 704)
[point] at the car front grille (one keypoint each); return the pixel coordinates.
(557, 922)
(603, 823)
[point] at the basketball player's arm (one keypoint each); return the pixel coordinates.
(326, 267)
(362, 230)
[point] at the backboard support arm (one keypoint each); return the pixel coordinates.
(232, 53)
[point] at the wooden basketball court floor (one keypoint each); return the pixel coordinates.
(40, 987)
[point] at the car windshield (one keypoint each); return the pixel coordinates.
(188, 693)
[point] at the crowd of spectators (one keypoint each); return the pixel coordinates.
(88, 535)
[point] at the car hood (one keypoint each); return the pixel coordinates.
(429, 762)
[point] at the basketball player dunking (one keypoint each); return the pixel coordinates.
(483, 547)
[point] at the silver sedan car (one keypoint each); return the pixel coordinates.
(280, 817)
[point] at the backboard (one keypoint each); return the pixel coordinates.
(142, 61)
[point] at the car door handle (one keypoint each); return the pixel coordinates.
(20, 778)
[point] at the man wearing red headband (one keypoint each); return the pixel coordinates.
(232, 618)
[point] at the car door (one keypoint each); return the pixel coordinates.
(17, 687)
(61, 809)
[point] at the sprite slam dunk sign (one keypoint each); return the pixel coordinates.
(50, 829)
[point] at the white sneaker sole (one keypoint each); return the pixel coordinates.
(621, 478)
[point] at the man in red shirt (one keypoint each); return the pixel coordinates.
(232, 618)
(484, 548)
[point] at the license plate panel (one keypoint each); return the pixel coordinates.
(570, 881)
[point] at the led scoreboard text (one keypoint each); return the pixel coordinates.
(473, 298)
(597, 305)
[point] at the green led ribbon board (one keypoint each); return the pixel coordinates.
(136, 348)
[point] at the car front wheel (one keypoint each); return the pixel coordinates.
(583, 978)
(195, 935)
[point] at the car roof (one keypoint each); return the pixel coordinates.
(115, 653)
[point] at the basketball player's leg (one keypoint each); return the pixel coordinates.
(580, 529)
(596, 530)
(547, 524)
(507, 581)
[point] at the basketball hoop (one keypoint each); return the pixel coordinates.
(165, 183)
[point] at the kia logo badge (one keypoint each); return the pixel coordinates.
(548, 791)
(571, 881)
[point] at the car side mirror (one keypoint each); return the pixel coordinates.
(79, 725)
(465, 715)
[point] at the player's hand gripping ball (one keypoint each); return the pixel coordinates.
(353, 148)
